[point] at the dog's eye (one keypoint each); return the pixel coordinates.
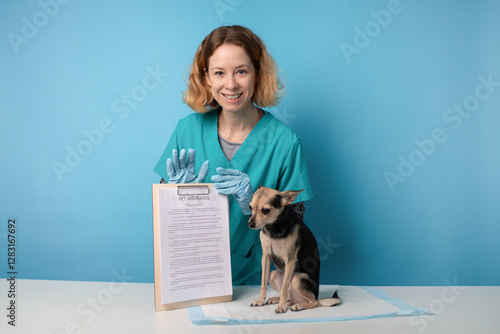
(265, 211)
(250, 207)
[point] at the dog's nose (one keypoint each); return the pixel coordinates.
(251, 224)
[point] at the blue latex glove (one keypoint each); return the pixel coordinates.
(180, 172)
(233, 182)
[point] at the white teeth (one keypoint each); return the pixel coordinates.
(232, 97)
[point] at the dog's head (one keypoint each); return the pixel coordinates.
(267, 204)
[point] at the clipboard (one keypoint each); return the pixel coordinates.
(192, 259)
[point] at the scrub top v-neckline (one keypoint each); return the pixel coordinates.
(238, 156)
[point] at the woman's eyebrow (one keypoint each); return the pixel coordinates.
(222, 68)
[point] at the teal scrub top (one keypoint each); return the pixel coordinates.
(272, 156)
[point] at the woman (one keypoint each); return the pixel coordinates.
(242, 146)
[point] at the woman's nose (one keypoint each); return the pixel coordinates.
(231, 82)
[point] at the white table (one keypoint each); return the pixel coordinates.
(113, 307)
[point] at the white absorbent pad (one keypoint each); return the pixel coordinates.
(357, 303)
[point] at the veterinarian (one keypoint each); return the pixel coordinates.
(231, 141)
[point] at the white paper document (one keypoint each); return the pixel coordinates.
(195, 248)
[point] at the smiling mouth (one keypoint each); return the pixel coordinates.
(232, 97)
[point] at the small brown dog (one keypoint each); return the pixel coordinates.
(293, 249)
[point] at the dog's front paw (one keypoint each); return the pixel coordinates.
(281, 309)
(257, 303)
(273, 300)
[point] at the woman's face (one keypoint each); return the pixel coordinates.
(231, 77)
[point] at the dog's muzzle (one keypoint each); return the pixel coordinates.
(251, 224)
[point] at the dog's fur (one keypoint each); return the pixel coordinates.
(293, 249)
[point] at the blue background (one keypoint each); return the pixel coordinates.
(365, 92)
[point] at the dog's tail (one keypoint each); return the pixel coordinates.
(335, 300)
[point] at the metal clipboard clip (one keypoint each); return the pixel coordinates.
(189, 190)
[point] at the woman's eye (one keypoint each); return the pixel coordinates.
(218, 73)
(242, 72)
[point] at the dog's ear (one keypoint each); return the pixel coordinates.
(287, 197)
